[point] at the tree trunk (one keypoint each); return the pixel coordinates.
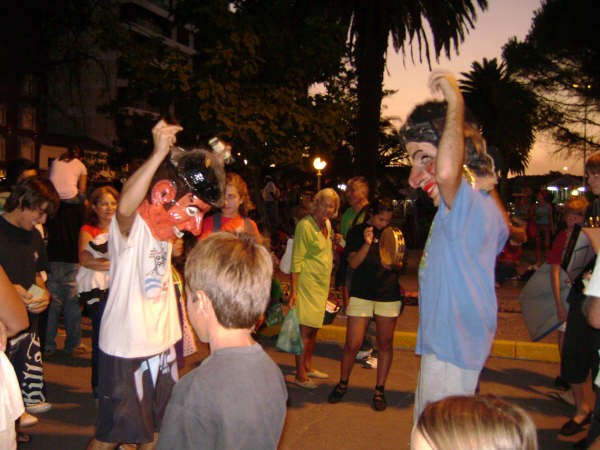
(371, 44)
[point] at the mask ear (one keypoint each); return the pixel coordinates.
(163, 192)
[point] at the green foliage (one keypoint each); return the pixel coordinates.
(371, 25)
(252, 75)
(505, 109)
(560, 60)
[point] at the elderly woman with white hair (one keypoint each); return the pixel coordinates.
(312, 261)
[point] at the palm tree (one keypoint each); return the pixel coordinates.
(507, 111)
(372, 22)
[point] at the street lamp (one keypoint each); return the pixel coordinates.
(319, 164)
(584, 87)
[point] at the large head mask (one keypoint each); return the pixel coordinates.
(183, 189)
(426, 124)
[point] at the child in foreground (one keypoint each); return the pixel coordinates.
(237, 397)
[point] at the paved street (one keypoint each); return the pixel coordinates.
(312, 423)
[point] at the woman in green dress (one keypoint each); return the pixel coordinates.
(312, 260)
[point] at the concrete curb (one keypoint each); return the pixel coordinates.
(404, 340)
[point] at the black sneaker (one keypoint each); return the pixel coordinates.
(338, 393)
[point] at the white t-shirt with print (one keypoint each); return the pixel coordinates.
(140, 318)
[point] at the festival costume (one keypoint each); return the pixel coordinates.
(140, 325)
(140, 318)
(235, 399)
(312, 259)
(457, 300)
(22, 255)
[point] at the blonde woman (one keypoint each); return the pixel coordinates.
(312, 261)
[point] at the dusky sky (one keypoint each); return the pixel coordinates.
(493, 28)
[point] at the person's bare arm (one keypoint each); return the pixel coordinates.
(82, 184)
(86, 259)
(561, 312)
(136, 187)
(12, 309)
(591, 309)
(293, 289)
(451, 149)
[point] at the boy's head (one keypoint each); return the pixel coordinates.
(182, 190)
(592, 172)
(233, 274)
(575, 209)
(31, 201)
(422, 134)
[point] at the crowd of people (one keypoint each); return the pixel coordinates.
(175, 254)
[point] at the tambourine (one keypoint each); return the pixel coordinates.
(392, 248)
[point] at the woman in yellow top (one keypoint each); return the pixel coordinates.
(312, 261)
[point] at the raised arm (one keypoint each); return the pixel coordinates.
(451, 149)
(135, 189)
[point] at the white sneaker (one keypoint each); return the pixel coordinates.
(362, 354)
(38, 408)
(28, 420)
(371, 361)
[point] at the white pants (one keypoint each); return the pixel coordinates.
(440, 379)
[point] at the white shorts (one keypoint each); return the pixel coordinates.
(440, 379)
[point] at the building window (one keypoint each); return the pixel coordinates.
(29, 87)
(2, 148)
(27, 148)
(27, 117)
(3, 114)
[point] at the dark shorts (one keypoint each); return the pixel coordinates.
(133, 394)
(579, 354)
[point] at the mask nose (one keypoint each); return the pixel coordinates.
(414, 177)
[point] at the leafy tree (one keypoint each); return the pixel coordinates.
(560, 60)
(506, 110)
(372, 23)
(252, 74)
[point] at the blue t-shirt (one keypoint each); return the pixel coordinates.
(457, 299)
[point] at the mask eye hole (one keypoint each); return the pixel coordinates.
(191, 211)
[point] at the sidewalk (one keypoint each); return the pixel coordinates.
(523, 375)
(512, 338)
(311, 422)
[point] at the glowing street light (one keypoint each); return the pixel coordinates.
(319, 164)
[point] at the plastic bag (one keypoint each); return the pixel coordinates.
(289, 339)
(285, 264)
(274, 315)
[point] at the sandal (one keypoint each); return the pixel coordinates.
(338, 392)
(378, 403)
